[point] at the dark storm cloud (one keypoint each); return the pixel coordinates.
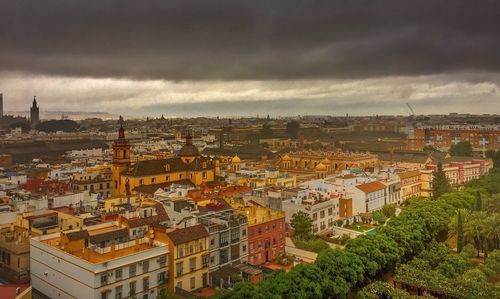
(229, 40)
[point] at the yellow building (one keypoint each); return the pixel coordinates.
(15, 240)
(411, 184)
(332, 161)
(188, 258)
(188, 165)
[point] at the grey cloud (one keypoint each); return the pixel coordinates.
(249, 40)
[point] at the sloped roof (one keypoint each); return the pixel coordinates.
(190, 233)
(153, 167)
(408, 174)
(371, 187)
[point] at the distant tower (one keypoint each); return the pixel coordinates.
(1, 105)
(121, 159)
(34, 113)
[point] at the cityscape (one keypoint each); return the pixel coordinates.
(298, 149)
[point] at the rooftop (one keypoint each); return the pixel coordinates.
(371, 187)
(97, 255)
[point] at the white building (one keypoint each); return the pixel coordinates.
(98, 262)
(368, 197)
(322, 208)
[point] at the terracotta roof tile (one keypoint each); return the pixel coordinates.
(371, 187)
(191, 233)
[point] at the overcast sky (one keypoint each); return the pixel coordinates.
(189, 58)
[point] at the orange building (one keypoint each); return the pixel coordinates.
(443, 137)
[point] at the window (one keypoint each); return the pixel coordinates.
(145, 284)
(162, 277)
(192, 264)
(244, 248)
(260, 230)
(204, 260)
(330, 211)
(132, 270)
(118, 292)
(322, 214)
(132, 286)
(145, 266)
(118, 274)
(200, 245)
(167, 178)
(259, 244)
(178, 269)
(141, 182)
(244, 232)
(191, 248)
(162, 261)
(104, 295)
(192, 282)
(180, 250)
(153, 180)
(204, 174)
(104, 278)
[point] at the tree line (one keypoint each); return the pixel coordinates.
(339, 272)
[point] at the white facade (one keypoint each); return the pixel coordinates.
(59, 274)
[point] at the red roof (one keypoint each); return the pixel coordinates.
(8, 291)
(371, 187)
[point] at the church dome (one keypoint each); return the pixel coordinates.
(326, 161)
(189, 150)
(236, 159)
(320, 167)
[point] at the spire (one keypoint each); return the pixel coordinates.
(121, 131)
(34, 101)
(189, 138)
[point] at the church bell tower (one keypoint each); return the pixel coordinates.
(121, 159)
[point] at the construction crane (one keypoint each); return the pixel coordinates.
(411, 109)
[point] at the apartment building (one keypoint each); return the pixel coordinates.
(188, 258)
(368, 197)
(411, 184)
(100, 262)
(266, 233)
(95, 181)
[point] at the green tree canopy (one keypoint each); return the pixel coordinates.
(293, 128)
(302, 224)
(440, 183)
(463, 148)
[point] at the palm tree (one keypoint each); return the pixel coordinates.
(474, 229)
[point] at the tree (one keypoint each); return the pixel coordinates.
(389, 210)
(266, 131)
(65, 125)
(293, 128)
(460, 232)
(429, 148)
(302, 224)
(479, 202)
(495, 156)
(440, 183)
(379, 217)
(463, 148)
(25, 128)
